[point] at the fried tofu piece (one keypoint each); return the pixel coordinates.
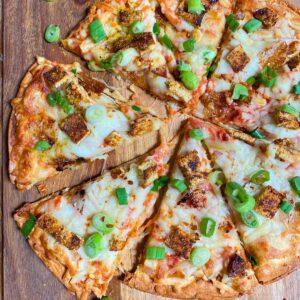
(180, 241)
(286, 120)
(190, 164)
(267, 16)
(195, 199)
(148, 171)
(177, 91)
(128, 16)
(75, 127)
(113, 139)
(195, 182)
(286, 151)
(236, 266)
(73, 94)
(59, 232)
(91, 85)
(293, 60)
(141, 126)
(237, 59)
(241, 135)
(278, 56)
(268, 201)
(54, 75)
(195, 19)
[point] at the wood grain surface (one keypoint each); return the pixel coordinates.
(24, 276)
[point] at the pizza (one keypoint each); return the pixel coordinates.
(194, 251)
(81, 233)
(164, 47)
(255, 84)
(61, 117)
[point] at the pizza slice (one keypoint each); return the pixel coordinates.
(262, 190)
(194, 251)
(138, 40)
(81, 233)
(255, 84)
(61, 117)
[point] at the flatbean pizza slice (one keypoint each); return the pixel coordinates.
(255, 84)
(262, 190)
(61, 117)
(194, 251)
(80, 233)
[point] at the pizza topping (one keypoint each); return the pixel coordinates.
(232, 22)
(200, 256)
(75, 127)
(296, 89)
(137, 27)
(286, 150)
(267, 16)
(294, 62)
(190, 164)
(91, 85)
(259, 177)
(59, 232)
(195, 7)
(257, 134)
(167, 42)
(42, 145)
(156, 253)
(180, 241)
(207, 226)
(156, 29)
(250, 219)
(190, 80)
(113, 139)
(196, 199)
(240, 92)
(52, 33)
(177, 91)
(286, 207)
(237, 59)
(54, 75)
(59, 98)
(103, 223)
(128, 16)
(94, 244)
(178, 184)
(97, 32)
(196, 134)
(268, 201)
(236, 266)
(268, 76)
(28, 225)
(295, 184)
(189, 45)
(189, 16)
(141, 126)
(217, 177)
(278, 56)
(160, 182)
(287, 120)
(252, 25)
(122, 196)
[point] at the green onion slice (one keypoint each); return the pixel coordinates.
(122, 196)
(52, 99)
(97, 32)
(295, 184)
(137, 27)
(286, 207)
(296, 89)
(252, 25)
(200, 256)
(207, 226)
(290, 110)
(136, 108)
(28, 225)
(211, 69)
(167, 42)
(232, 188)
(196, 134)
(240, 92)
(178, 184)
(63, 102)
(182, 66)
(92, 65)
(42, 146)
(268, 76)
(251, 80)
(94, 244)
(195, 7)
(253, 260)
(189, 45)
(103, 223)
(257, 134)
(74, 71)
(155, 252)
(217, 177)
(156, 29)
(250, 219)
(232, 22)
(260, 176)
(52, 33)
(160, 182)
(190, 80)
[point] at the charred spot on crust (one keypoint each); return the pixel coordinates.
(236, 266)
(75, 127)
(268, 202)
(180, 241)
(190, 164)
(237, 58)
(54, 75)
(195, 199)
(267, 16)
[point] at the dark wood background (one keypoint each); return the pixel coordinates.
(24, 276)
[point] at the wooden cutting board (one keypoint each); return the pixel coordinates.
(24, 275)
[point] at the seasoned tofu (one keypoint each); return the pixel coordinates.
(54, 75)
(177, 91)
(237, 59)
(241, 135)
(268, 201)
(113, 139)
(180, 241)
(195, 199)
(59, 232)
(286, 120)
(276, 57)
(91, 85)
(141, 126)
(236, 266)
(128, 16)
(148, 171)
(267, 16)
(286, 151)
(75, 127)
(190, 164)
(195, 19)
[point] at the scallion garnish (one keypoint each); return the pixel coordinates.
(52, 33)
(137, 27)
(286, 207)
(251, 80)
(167, 42)
(296, 89)
(199, 256)
(160, 182)
(232, 22)
(136, 108)
(156, 29)
(295, 184)
(260, 176)
(178, 184)
(195, 7)
(122, 196)
(268, 76)
(252, 25)
(42, 146)
(189, 45)
(207, 226)
(94, 244)
(257, 134)
(155, 252)
(240, 92)
(190, 80)
(28, 225)
(196, 134)
(103, 223)
(250, 219)
(97, 32)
